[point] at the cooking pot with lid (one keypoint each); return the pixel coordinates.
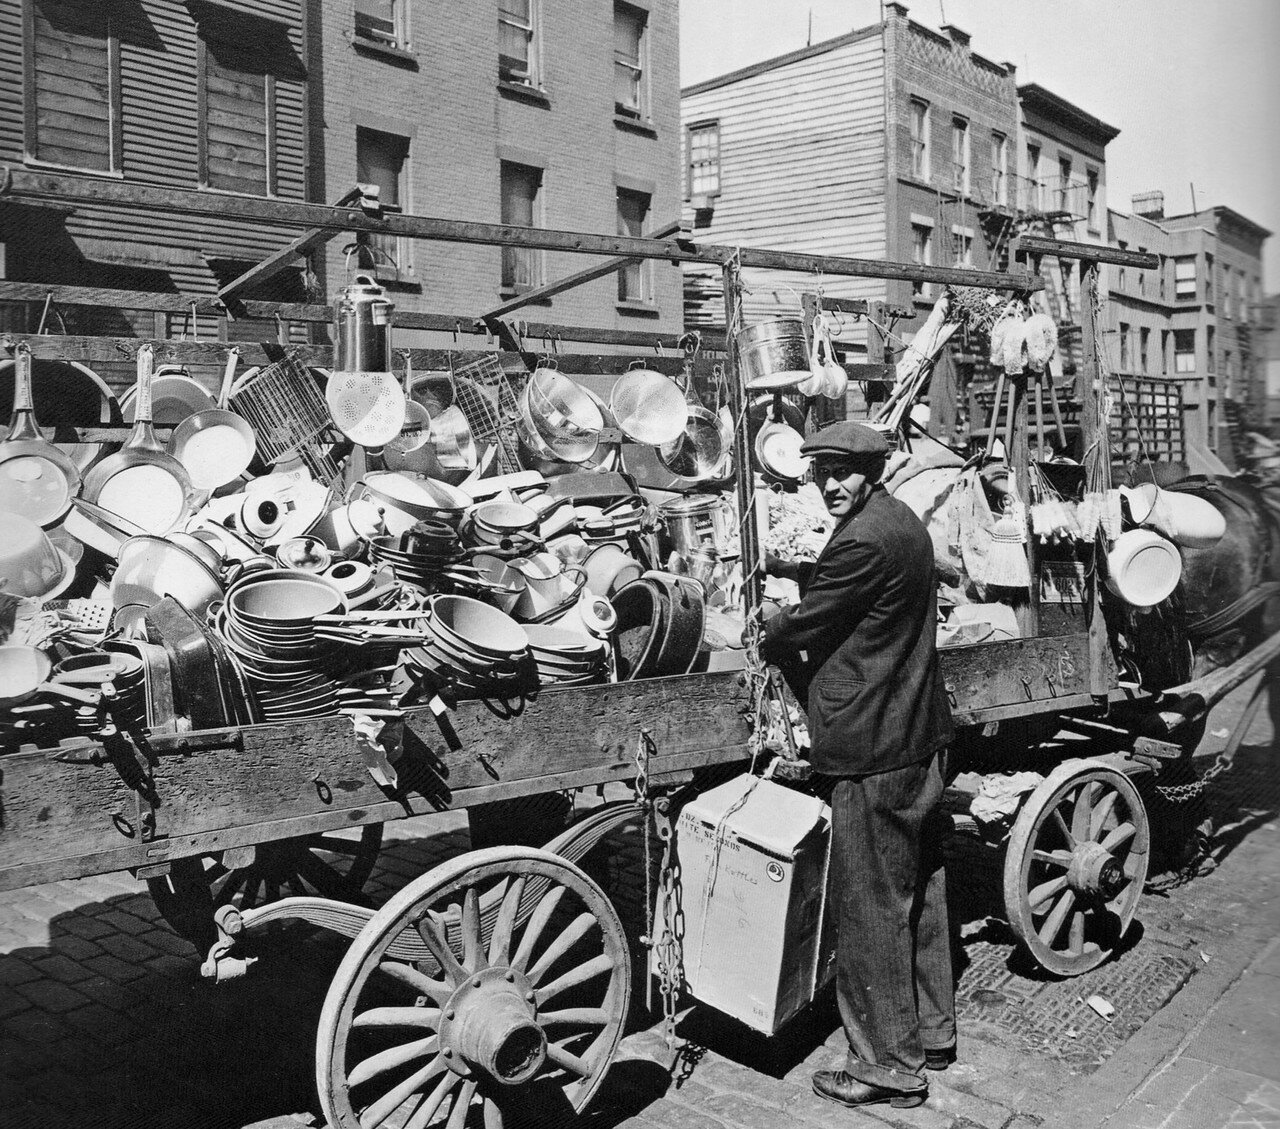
(362, 327)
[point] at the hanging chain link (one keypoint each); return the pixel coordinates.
(1184, 793)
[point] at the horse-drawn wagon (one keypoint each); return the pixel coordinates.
(501, 979)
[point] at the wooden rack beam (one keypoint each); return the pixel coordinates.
(25, 184)
(1023, 245)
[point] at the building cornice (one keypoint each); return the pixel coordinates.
(1036, 98)
(782, 60)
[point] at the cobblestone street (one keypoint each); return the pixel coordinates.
(104, 1020)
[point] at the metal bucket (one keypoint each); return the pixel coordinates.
(773, 354)
(697, 521)
(362, 327)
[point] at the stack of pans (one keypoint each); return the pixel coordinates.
(564, 657)
(119, 677)
(420, 555)
(475, 649)
(267, 623)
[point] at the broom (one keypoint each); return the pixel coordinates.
(1007, 561)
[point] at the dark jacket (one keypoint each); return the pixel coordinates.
(861, 643)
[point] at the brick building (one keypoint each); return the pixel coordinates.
(541, 113)
(1196, 318)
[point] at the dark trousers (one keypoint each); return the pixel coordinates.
(893, 978)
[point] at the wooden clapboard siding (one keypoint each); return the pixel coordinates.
(159, 128)
(802, 167)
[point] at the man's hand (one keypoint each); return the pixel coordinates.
(774, 565)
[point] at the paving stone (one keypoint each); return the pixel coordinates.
(743, 1113)
(63, 968)
(126, 922)
(1024, 1121)
(115, 969)
(50, 995)
(15, 970)
(730, 1077)
(170, 942)
(100, 1023)
(689, 1092)
(128, 948)
(34, 1025)
(106, 991)
(85, 925)
(1245, 1035)
(12, 1001)
(969, 1107)
(76, 948)
(674, 1115)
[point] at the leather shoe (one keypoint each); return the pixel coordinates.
(837, 1086)
(939, 1059)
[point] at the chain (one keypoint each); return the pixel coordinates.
(643, 742)
(668, 951)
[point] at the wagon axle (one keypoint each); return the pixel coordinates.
(490, 1024)
(1095, 871)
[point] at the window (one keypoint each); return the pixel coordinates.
(381, 21)
(960, 154)
(629, 45)
(237, 122)
(1144, 347)
(999, 168)
(635, 280)
(518, 42)
(1064, 184)
(1035, 199)
(73, 102)
(1184, 277)
(1228, 371)
(1124, 346)
(1184, 350)
(522, 207)
(1160, 270)
(1210, 343)
(962, 246)
(1142, 275)
(919, 139)
(1120, 271)
(1208, 280)
(383, 159)
(921, 254)
(704, 159)
(1091, 199)
(1164, 351)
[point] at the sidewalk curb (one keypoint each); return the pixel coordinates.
(1100, 1096)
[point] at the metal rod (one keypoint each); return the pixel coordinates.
(743, 479)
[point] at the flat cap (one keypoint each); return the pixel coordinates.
(847, 438)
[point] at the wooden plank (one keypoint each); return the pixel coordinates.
(1016, 672)
(1087, 252)
(274, 263)
(31, 184)
(550, 289)
(294, 779)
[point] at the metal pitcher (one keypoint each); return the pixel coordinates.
(362, 327)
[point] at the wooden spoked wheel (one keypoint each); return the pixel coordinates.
(329, 864)
(1075, 865)
(491, 991)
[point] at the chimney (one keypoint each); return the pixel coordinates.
(895, 9)
(1149, 204)
(958, 37)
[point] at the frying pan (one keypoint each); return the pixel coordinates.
(37, 480)
(414, 433)
(142, 481)
(215, 445)
(68, 395)
(23, 674)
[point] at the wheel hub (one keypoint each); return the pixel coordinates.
(490, 1024)
(1094, 870)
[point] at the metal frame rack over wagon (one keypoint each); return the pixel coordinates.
(502, 976)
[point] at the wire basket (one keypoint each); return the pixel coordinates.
(485, 393)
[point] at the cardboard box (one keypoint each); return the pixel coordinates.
(752, 886)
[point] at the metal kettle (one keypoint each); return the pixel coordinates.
(362, 327)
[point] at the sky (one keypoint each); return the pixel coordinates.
(1192, 85)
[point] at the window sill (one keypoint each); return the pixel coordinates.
(519, 92)
(634, 125)
(391, 54)
(104, 174)
(923, 301)
(636, 308)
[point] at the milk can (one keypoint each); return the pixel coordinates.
(362, 327)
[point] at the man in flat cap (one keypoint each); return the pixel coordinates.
(861, 645)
